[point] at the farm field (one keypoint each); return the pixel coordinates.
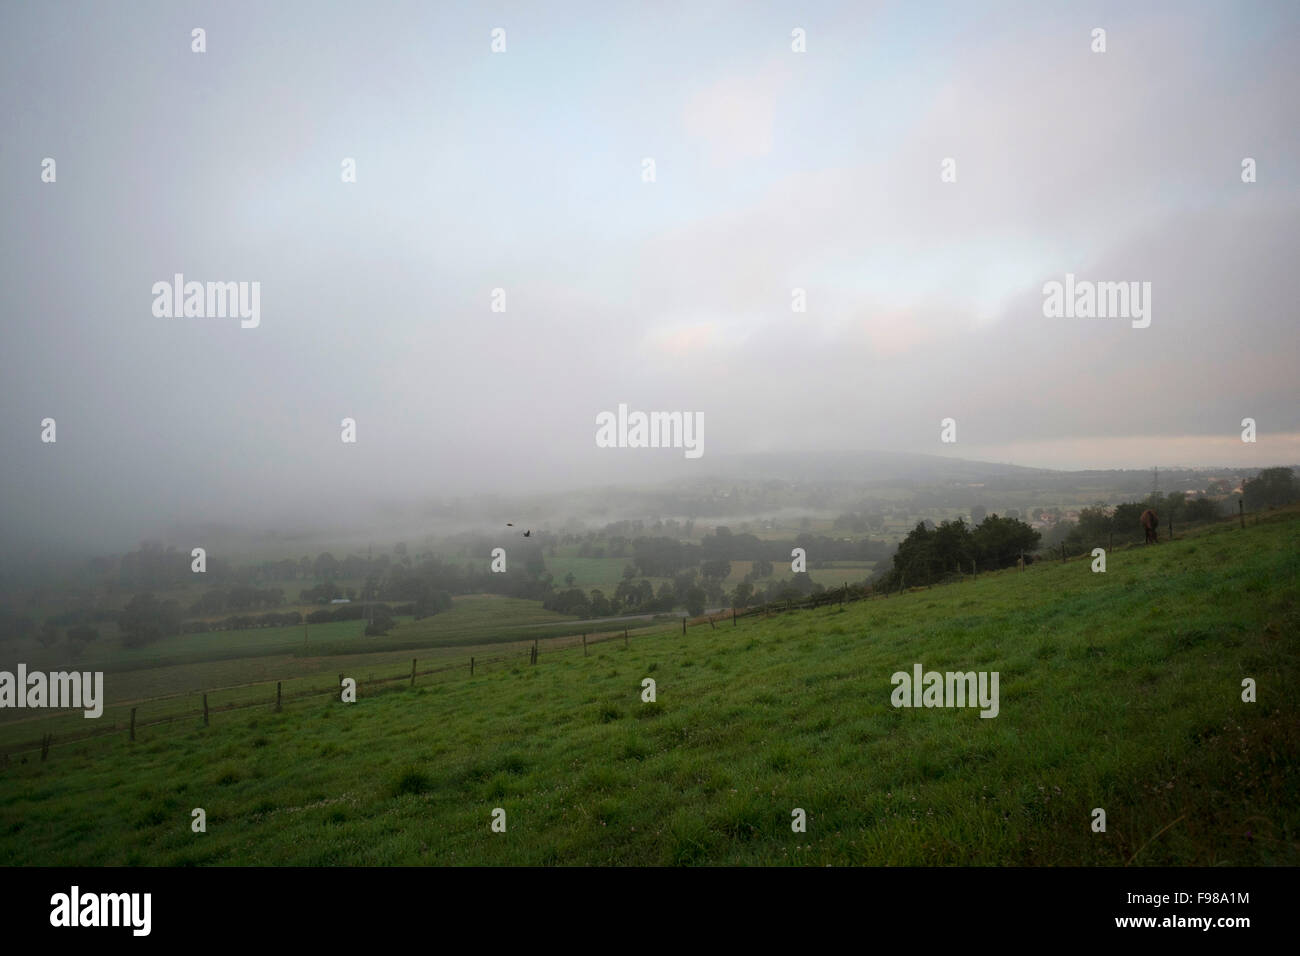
(240, 669)
(838, 572)
(588, 573)
(606, 573)
(1119, 690)
(472, 619)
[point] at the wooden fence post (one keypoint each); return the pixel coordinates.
(471, 667)
(413, 671)
(625, 637)
(584, 643)
(277, 697)
(683, 626)
(712, 626)
(46, 740)
(133, 723)
(205, 710)
(1241, 511)
(1171, 527)
(733, 617)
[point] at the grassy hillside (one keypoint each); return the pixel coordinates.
(1119, 690)
(472, 619)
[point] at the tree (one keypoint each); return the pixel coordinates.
(695, 598)
(999, 542)
(381, 621)
(743, 593)
(1095, 526)
(1271, 488)
(321, 594)
(600, 605)
(145, 619)
(953, 546)
(82, 634)
(1127, 520)
(1201, 509)
(718, 569)
(665, 599)
(682, 583)
(48, 635)
(430, 601)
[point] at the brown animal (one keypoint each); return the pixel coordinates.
(1151, 525)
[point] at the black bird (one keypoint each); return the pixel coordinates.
(510, 524)
(528, 533)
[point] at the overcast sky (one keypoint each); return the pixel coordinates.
(523, 170)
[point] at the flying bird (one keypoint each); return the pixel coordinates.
(528, 532)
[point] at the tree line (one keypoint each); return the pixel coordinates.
(930, 554)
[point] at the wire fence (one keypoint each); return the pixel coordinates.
(846, 594)
(138, 718)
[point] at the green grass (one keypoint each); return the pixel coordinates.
(1119, 691)
(472, 619)
(588, 573)
(237, 670)
(482, 619)
(109, 654)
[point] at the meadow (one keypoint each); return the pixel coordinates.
(1120, 691)
(169, 677)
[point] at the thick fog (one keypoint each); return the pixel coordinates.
(524, 170)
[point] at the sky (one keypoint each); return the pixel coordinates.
(524, 170)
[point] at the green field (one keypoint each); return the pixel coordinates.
(606, 573)
(1119, 691)
(588, 573)
(181, 668)
(472, 619)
